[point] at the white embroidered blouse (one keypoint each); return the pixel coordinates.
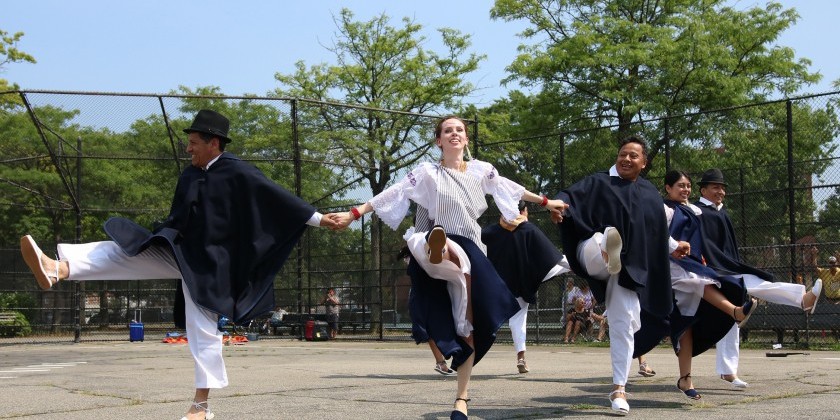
(449, 198)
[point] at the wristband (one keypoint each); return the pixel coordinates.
(356, 214)
(544, 201)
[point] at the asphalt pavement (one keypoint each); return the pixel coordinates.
(290, 379)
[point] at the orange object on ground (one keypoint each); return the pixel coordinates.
(235, 339)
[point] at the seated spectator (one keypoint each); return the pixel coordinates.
(603, 324)
(584, 293)
(578, 319)
(831, 279)
(276, 319)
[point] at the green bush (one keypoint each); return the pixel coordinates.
(17, 304)
(18, 327)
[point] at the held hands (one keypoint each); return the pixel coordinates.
(328, 221)
(344, 219)
(556, 207)
(683, 249)
(338, 221)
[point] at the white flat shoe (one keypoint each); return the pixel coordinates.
(32, 256)
(436, 241)
(619, 404)
(612, 246)
(816, 290)
(208, 415)
(736, 383)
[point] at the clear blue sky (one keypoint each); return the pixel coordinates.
(155, 46)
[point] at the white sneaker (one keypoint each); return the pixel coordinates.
(612, 247)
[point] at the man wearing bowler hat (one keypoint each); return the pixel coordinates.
(228, 233)
(720, 248)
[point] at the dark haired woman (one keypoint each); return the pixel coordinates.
(705, 301)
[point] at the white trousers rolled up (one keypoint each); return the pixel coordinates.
(98, 261)
(517, 324)
(728, 351)
(728, 348)
(519, 320)
(622, 304)
(789, 294)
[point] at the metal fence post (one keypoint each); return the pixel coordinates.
(80, 285)
(792, 205)
(667, 134)
(297, 163)
(791, 193)
(562, 161)
(175, 152)
(475, 136)
(381, 320)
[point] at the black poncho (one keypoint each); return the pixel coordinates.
(230, 229)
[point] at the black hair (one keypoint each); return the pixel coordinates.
(635, 139)
(674, 175)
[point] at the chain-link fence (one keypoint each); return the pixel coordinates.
(780, 162)
(71, 160)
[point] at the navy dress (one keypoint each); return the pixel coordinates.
(709, 324)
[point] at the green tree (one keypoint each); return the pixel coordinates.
(383, 67)
(9, 53)
(380, 67)
(624, 61)
(607, 69)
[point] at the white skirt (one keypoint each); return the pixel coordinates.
(456, 283)
(688, 288)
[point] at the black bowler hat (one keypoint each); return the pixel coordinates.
(712, 176)
(210, 122)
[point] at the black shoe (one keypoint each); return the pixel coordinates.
(459, 415)
(747, 311)
(691, 393)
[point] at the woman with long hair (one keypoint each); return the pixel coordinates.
(458, 299)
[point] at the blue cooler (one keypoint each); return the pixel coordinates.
(135, 328)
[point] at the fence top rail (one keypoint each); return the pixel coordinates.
(561, 132)
(237, 97)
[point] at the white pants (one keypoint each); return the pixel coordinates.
(728, 348)
(517, 324)
(518, 321)
(728, 351)
(622, 304)
(106, 261)
(789, 294)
